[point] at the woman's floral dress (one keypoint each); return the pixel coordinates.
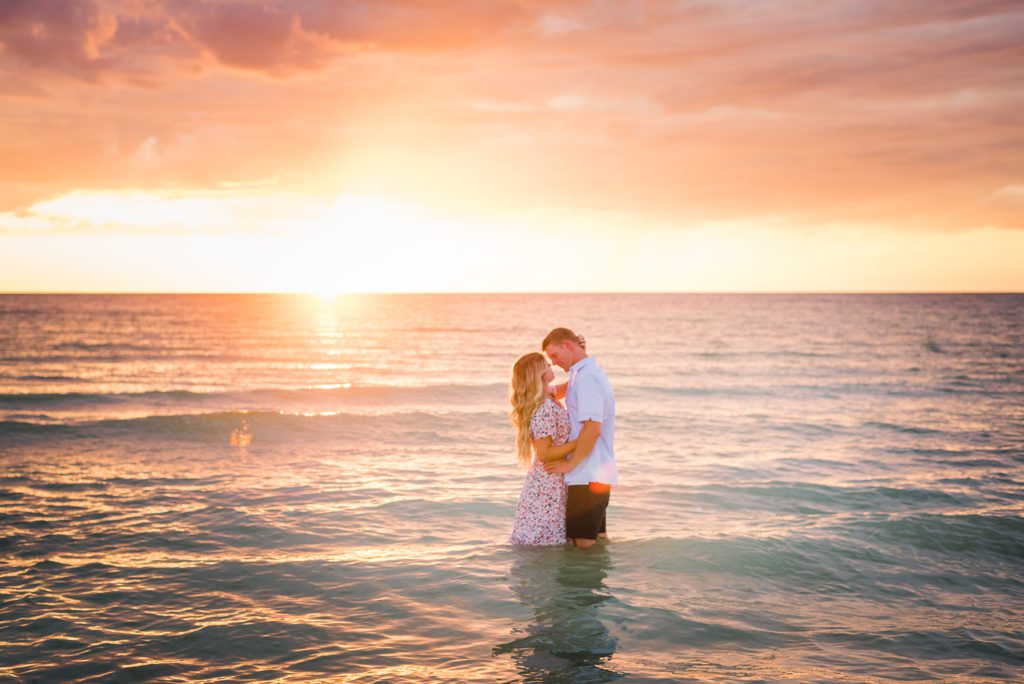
(540, 513)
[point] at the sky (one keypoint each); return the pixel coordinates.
(511, 145)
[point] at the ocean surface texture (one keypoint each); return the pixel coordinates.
(287, 488)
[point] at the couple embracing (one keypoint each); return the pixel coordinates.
(567, 450)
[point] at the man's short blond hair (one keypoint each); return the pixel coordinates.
(560, 335)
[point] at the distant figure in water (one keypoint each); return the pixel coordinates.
(590, 472)
(542, 436)
(241, 436)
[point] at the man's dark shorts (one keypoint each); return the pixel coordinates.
(585, 509)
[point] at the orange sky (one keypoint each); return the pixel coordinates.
(395, 145)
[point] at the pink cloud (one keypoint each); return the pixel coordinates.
(847, 110)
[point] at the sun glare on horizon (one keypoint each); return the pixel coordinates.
(363, 243)
(267, 240)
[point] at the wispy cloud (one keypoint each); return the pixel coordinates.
(903, 115)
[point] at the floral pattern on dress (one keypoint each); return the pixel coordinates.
(540, 513)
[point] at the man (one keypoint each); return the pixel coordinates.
(590, 470)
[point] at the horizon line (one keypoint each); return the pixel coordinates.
(498, 292)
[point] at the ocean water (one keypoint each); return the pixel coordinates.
(286, 488)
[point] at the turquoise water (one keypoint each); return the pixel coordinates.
(814, 488)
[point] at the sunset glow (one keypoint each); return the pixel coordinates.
(360, 147)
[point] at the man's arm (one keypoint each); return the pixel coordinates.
(584, 445)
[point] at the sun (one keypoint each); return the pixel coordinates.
(363, 243)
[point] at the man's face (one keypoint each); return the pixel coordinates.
(559, 355)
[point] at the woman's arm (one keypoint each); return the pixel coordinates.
(586, 441)
(548, 451)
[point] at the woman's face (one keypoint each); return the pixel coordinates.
(548, 375)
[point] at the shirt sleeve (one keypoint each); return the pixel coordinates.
(589, 399)
(542, 424)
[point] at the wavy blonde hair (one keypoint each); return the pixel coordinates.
(526, 394)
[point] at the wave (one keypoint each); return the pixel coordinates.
(159, 353)
(103, 346)
(35, 377)
(947, 552)
(264, 426)
(272, 395)
(24, 312)
(881, 388)
(971, 534)
(810, 498)
(896, 427)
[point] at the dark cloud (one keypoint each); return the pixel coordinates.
(97, 39)
(66, 36)
(253, 36)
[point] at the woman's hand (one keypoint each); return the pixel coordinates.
(559, 390)
(560, 467)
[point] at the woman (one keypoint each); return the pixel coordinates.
(542, 433)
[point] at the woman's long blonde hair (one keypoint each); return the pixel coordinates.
(526, 394)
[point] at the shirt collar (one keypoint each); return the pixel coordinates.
(582, 363)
